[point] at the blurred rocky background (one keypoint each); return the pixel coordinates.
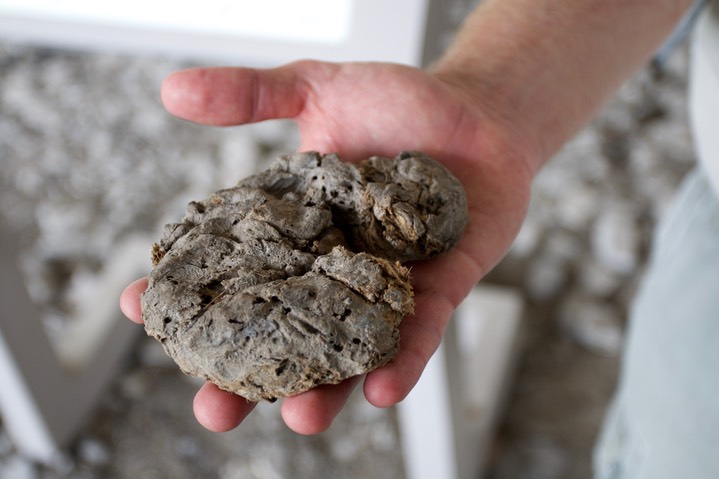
(89, 157)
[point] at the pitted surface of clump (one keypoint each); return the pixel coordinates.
(293, 278)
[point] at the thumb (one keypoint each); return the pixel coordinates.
(234, 96)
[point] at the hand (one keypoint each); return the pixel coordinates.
(360, 110)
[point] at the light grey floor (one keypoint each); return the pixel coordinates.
(88, 156)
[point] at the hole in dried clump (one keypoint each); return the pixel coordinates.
(308, 327)
(198, 207)
(356, 340)
(282, 366)
(167, 320)
(338, 348)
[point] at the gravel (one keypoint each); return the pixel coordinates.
(88, 156)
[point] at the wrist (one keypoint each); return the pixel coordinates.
(500, 118)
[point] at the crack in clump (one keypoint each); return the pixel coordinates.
(293, 277)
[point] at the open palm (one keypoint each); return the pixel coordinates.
(358, 110)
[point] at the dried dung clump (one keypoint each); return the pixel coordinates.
(293, 278)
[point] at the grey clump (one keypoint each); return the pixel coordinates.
(293, 278)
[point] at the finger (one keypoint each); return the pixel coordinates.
(420, 336)
(130, 300)
(234, 96)
(218, 410)
(313, 411)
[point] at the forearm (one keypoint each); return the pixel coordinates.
(545, 67)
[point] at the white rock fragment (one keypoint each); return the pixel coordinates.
(589, 164)
(547, 457)
(383, 437)
(593, 324)
(545, 277)
(615, 239)
(260, 466)
(578, 207)
(548, 273)
(135, 385)
(346, 448)
(94, 452)
(656, 178)
(564, 246)
(617, 120)
(188, 446)
(596, 280)
(672, 142)
(59, 222)
(83, 285)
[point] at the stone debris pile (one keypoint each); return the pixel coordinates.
(87, 155)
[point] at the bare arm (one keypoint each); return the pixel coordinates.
(547, 66)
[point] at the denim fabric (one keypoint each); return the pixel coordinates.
(664, 421)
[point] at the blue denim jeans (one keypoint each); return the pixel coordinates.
(664, 420)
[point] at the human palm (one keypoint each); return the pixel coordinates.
(358, 110)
